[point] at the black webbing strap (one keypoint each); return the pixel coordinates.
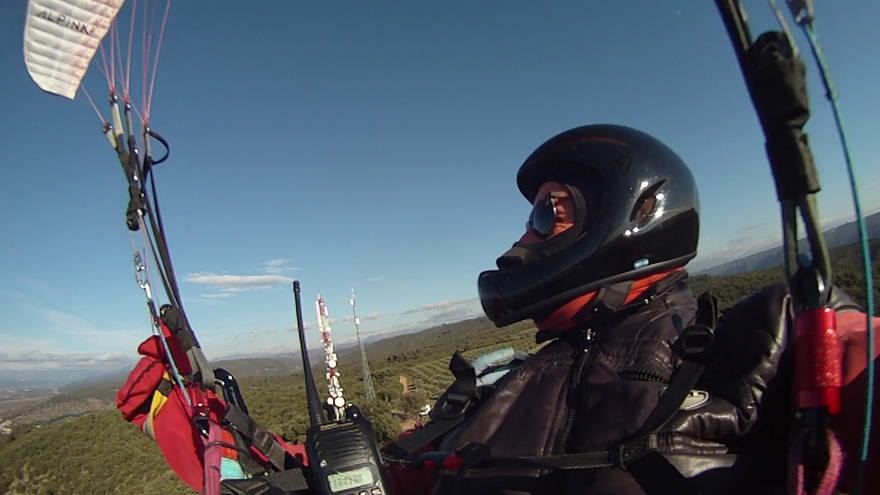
(254, 486)
(402, 449)
(264, 441)
(165, 387)
(280, 483)
(450, 412)
(476, 456)
(651, 470)
(680, 385)
(465, 376)
(292, 480)
(707, 310)
(247, 461)
(173, 319)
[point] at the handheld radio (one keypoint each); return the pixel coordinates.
(343, 455)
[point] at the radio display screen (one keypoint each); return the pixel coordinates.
(351, 479)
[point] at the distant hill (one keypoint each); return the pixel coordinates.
(108, 380)
(99, 392)
(838, 236)
(241, 368)
(847, 271)
(48, 379)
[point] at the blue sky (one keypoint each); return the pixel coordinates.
(374, 146)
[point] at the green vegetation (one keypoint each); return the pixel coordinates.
(847, 273)
(101, 453)
(97, 453)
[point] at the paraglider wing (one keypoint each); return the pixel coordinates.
(60, 39)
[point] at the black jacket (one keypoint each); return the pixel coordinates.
(594, 388)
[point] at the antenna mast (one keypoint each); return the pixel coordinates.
(335, 403)
(368, 381)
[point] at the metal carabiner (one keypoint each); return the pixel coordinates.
(801, 10)
(140, 272)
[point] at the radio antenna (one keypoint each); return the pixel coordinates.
(335, 403)
(368, 380)
(314, 402)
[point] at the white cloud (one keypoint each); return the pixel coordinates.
(38, 285)
(749, 240)
(217, 295)
(371, 316)
(454, 311)
(745, 241)
(439, 305)
(835, 221)
(278, 266)
(453, 314)
(446, 312)
(306, 326)
(16, 343)
(66, 322)
(376, 279)
(236, 283)
(38, 360)
(406, 327)
(226, 285)
(66, 325)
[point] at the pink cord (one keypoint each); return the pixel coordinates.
(828, 482)
(213, 459)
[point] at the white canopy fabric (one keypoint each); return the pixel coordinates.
(60, 39)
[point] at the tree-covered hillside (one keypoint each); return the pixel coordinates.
(100, 453)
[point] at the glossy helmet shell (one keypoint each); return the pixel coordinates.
(617, 169)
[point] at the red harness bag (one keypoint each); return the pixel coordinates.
(152, 399)
(155, 403)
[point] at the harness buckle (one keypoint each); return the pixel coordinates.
(629, 452)
(696, 343)
(454, 406)
(618, 456)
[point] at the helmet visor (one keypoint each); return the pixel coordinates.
(544, 215)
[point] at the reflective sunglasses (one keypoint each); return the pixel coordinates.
(544, 215)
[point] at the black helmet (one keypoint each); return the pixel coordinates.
(639, 215)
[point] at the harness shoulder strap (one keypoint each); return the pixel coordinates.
(472, 382)
(451, 410)
(260, 438)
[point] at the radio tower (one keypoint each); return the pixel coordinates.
(335, 403)
(368, 381)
